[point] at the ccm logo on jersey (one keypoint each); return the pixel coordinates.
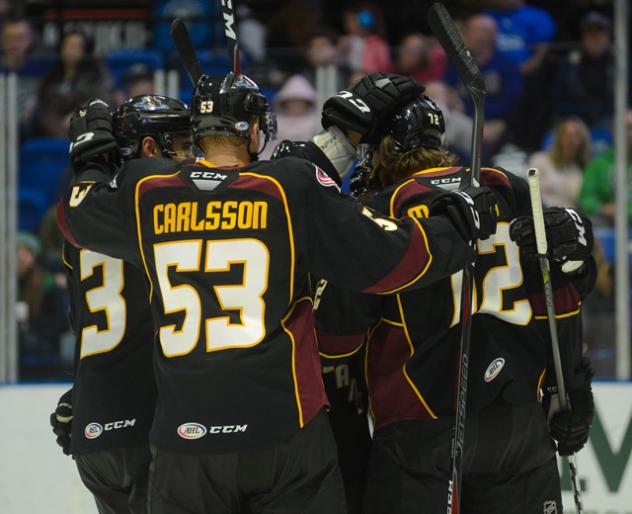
(447, 183)
(196, 430)
(494, 369)
(208, 175)
(94, 430)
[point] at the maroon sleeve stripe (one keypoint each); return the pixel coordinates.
(411, 267)
(494, 177)
(404, 194)
(160, 181)
(62, 222)
(247, 181)
(333, 345)
(566, 300)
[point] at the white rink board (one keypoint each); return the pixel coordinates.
(36, 478)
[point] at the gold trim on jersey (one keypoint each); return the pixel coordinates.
(412, 351)
(289, 223)
(289, 333)
(562, 316)
(538, 390)
(140, 235)
(342, 355)
(63, 256)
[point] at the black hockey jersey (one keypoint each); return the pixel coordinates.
(412, 338)
(228, 252)
(114, 391)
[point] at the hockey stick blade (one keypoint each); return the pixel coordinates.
(460, 57)
(186, 51)
(230, 29)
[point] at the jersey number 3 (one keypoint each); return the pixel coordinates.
(245, 298)
(106, 298)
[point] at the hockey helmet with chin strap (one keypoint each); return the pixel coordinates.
(417, 124)
(226, 106)
(150, 115)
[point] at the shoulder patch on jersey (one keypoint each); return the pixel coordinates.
(79, 192)
(325, 180)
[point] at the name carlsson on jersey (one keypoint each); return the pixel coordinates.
(229, 215)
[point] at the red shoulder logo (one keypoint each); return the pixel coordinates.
(325, 180)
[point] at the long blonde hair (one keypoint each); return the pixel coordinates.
(390, 165)
(582, 156)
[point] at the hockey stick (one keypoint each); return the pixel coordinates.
(230, 29)
(541, 244)
(460, 57)
(186, 51)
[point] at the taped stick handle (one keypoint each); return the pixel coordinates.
(533, 177)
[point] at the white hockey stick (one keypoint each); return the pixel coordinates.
(541, 244)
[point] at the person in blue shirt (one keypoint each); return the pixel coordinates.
(524, 32)
(501, 74)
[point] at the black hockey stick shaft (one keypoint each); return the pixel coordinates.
(230, 29)
(461, 58)
(186, 51)
(542, 247)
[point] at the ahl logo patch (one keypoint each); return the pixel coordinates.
(494, 369)
(93, 430)
(324, 179)
(191, 431)
(550, 507)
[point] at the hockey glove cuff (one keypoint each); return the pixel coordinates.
(569, 237)
(61, 421)
(473, 211)
(571, 429)
(90, 133)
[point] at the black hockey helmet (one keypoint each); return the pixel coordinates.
(419, 123)
(150, 115)
(225, 106)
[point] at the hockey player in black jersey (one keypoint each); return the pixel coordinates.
(227, 244)
(411, 342)
(104, 420)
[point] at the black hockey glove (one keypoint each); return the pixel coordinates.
(571, 429)
(90, 133)
(61, 421)
(473, 211)
(368, 101)
(569, 237)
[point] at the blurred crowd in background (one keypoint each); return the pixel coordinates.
(549, 71)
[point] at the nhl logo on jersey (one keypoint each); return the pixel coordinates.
(191, 431)
(93, 430)
(494, 369)
(550, 507)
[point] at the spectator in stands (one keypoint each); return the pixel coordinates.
(363, 47)
(561, 168)
(597, 195)
(75, 78)
(18, 57)
(139, 80)
(41, 307)
(297, 116)
(421, 59)
(324, 67)
(524, 32)
(501, 76)
(585, 79)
